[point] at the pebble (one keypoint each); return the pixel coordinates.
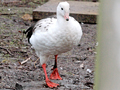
(89, 71)
(82, 66)
(82, 23)
(9, 9)
(95, 52)
(77, 62)
(18, 87)
(97, 44)
(61, 68)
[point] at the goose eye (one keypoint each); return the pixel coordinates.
(61, 8)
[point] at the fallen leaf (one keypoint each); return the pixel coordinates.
(27, 17)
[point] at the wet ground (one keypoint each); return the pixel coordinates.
(76, 67)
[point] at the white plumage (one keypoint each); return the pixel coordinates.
(53, 36)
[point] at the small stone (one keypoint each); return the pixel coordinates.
(18, 87)
(61, 68)
(1, 67)
(95, 52)
(82, 23)
(27, 17)
(82, 66)
(97, 44)
(9, 9)
(89, 71)
(77, 62)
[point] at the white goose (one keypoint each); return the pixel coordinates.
(53, 36)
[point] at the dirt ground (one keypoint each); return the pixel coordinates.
(76, 67)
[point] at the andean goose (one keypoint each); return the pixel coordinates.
(53, 36)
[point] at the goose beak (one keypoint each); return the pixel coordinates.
(66, 16)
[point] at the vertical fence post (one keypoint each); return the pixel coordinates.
(107, 69)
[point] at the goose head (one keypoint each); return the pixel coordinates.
(63, 10)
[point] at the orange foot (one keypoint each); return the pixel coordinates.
(51, 84)
(55, 74)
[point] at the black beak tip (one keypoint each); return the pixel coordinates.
(67, 19)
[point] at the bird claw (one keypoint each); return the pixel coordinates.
(55, 74)
(51, 84)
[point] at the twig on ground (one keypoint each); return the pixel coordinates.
(8, 51)
(36, 62)
(7, 13)
(25, 60)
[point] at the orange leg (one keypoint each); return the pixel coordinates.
(48, 82)
(55, 74)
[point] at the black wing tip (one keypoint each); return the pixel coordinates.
(29, 32)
